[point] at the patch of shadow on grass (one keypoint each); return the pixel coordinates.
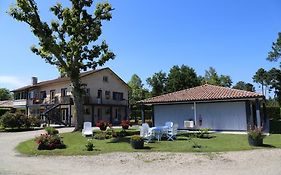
(119, 140)
(20, 129)
(267, 146)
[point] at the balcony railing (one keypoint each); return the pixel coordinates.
(21, 102)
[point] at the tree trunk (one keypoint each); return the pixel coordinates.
(78, 104)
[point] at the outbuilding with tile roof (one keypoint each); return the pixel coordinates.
(210, 106)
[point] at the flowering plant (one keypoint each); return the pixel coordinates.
(49, 142)
(256, 133)
(125, 124)
(103, 125)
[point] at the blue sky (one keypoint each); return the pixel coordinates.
(147, 36)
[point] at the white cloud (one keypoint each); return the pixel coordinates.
(11, 82)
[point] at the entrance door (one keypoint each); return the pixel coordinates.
(64, 115)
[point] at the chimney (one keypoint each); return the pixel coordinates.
(34, 80)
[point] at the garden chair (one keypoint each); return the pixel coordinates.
(173, 132)
(145, 132)
(87, 129)
(169, 124)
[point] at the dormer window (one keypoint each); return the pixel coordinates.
(105, 78)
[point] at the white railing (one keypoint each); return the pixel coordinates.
(21, 102)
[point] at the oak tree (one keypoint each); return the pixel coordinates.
(70, 42)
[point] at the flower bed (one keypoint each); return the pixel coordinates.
(50, 140)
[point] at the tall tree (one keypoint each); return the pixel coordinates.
(137, 92)
(275, 74)
(180, 78)
(262, 77)
(225, 81)
(158, 83)
(275, 82)
(275, 52)
(212, 77)
(244, 86)
(70, 41)
(5, 94)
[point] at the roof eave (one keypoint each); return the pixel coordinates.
(201, 101)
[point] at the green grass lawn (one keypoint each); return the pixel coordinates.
(219, 143)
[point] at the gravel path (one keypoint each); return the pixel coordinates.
(258, 162)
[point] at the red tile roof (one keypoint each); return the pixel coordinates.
(203, 93)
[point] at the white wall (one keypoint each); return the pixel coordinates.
(175, 113)
(223, 115)
(217, 116)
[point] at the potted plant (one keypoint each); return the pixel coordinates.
(125, 124)
(137, 142)
(102, 125)
(255, 136)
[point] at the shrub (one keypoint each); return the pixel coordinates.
(51, 131)
(35, 122)
(18, 120)
(49, 142)
(136, 138)
(256, 133)
(103, 125)
(89, 145)
(103, 135)
(203, 133)
(12, 120)
(137, 142)
(125, 124)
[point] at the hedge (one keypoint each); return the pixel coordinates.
(273, 113)
(3, 111)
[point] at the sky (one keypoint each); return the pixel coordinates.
(233, 36)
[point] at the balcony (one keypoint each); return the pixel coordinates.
(21, 102)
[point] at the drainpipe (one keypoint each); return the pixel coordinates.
(195, 113)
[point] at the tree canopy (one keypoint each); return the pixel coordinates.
(70, 41)
(212, 77)
(180, 78)
(244, 86)
(262, 77)
(158, 83)
(137, 92)
(5, 94)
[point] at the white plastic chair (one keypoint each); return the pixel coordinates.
(145, 132)
(169, 124)
(172, 133)
(87, 129)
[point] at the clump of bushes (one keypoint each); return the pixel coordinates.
(50, 140)
(18, 120)
(125, 124)
(203, 133)
(103, 125)
(89, 145)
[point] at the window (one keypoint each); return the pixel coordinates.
(87, 92)
(52, 94)
(107, 95)
(117, 96)
(43, 94)
(63, 92)
(105, 78)
(87, 110)
(99, 93)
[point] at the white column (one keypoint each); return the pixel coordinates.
(195, 113)
(258, 115)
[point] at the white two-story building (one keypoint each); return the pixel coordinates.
(105, 98)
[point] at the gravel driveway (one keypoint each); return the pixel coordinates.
(258, 162)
